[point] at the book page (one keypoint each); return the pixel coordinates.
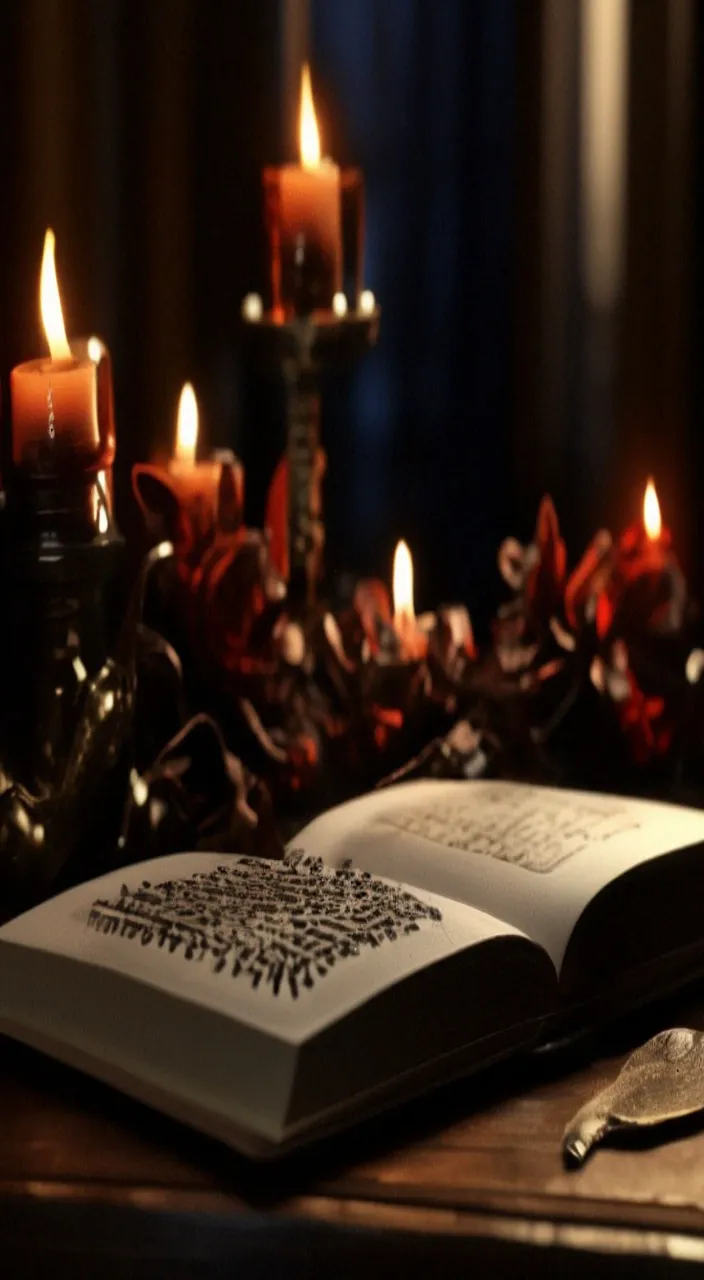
(284, 947)
(533, 856)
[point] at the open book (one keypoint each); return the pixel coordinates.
(410, 936)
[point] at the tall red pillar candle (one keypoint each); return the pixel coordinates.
(305, 222)
(58, 428)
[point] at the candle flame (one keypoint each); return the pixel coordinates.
(403, 585)
(308, 133)
(50, 303)
(651, 513)
(95, 350)
(187, 425)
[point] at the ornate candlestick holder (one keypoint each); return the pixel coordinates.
(64, 710)
(59, 552)
(305, 349)
(320, 320)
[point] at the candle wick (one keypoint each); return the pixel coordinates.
(50, 407)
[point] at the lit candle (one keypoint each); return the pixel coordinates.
(647, 587)
(658, 558)
(204, 503)
(196, 483)
(645, 538)
(645, 545)
(304, 214)
(61, 423)
(413, 640)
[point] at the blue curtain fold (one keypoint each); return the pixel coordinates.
(421, 95)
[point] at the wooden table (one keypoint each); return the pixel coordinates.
(469, 1182)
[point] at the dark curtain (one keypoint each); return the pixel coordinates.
(421, 95)
(605, 394)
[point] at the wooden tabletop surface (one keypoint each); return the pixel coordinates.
(93, 1183)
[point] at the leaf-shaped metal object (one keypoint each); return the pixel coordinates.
(661, 1081)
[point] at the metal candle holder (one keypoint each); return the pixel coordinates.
(304, 349)
(65, 711)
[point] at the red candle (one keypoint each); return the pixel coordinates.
(413, 640)
(659, 560)
(646, 589)
(305, 226)
(195, 483)
(645, 546)
(61, 422)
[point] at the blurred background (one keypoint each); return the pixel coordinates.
(533, 206)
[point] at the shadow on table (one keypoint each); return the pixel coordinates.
(317, 1168)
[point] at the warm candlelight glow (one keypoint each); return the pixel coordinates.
(309, 136)
(404, 612)
(100, 501)
(95, 349)
(651, 513)
(187, 425)
(50, 302)
(367, 302)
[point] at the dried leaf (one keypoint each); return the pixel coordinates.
(512, 563)
(661, 1081)
(590, 578)
(545, 582)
